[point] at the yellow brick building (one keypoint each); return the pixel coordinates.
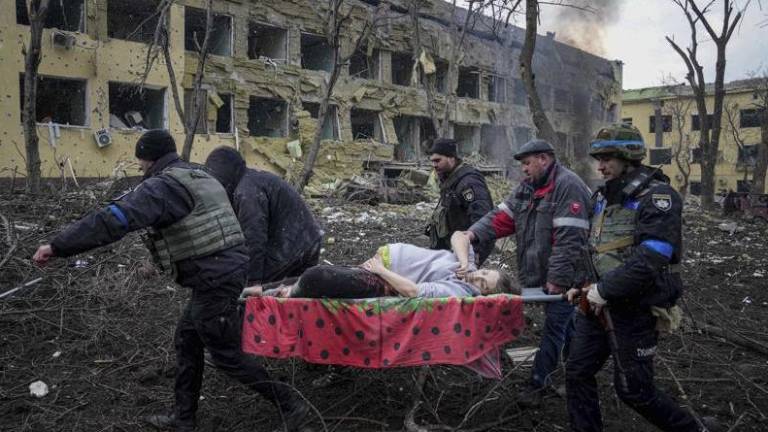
(679, 118)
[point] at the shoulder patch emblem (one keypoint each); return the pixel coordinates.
(662, 202)
(468, 194)
(575, 208)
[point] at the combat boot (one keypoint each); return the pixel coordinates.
(167, 422)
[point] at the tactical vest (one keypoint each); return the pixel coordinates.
(448, 216)
(210, 227)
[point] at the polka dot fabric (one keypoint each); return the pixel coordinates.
(384, 332)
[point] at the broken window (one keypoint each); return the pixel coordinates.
(402, 66)
(747, 155)
(315, 53)
(220, 37)
(134, 106)
(494, 143)
(467, 136)
(441, 76)
(69, 15)
(267, 117)
(666, 123)
(133, 20)
(696, 124)
(331, 125)
(364, 64)
(408, 130)
(469, 82)
(749, 118)
(59, 100)
(520, 95)
(202, 122)
(427, 130)
(497, 89)
(225, 111)
(366, 125)
(562, 100)
(267, 41)
(661, 156)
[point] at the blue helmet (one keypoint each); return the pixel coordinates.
(621, 140)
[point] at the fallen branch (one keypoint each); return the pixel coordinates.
(736, 338)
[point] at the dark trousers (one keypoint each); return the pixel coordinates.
(558, 324)
(340, 282)
(588, 351)
(216, 324)
(308, 259)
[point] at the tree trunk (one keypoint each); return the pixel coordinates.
(38, 10)
(544, 129)
(198, 100)
(761, 166)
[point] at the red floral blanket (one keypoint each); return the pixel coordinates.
(385, 332)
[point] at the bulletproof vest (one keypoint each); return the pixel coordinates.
(210, 227)
(613, 228)
(449, 215)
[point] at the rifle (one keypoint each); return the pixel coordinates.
(607, 322)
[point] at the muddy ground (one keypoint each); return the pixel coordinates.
(98, 330)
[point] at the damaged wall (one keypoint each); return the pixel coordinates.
(494, 128)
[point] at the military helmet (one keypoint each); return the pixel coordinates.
(533, 147)
(621, 140)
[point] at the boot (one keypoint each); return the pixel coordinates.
(295, 414)
(168, 421)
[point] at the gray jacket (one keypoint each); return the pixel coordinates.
(551, 227)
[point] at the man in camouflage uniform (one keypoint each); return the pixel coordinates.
(464, 198)
(636, 241)
(194, 233)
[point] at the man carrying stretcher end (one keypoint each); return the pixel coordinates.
(397, 269)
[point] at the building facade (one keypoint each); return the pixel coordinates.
(673, 141)
(265, 77)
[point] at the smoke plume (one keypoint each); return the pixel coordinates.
(583, 23)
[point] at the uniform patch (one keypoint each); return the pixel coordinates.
(662, 202)
(468, 194)
(575, 208)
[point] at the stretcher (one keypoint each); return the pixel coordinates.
(388, 332)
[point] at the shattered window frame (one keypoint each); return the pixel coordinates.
(466, 146)
(316, 40)
(372, 64)
(252, 45)
(520, 94)
(202, 123)
(403, 76)
(378, 134)
(224, 48)
(54, 7)
(464, 90)
(497, 89)
(494, 143)
(120, 12)
(284, 122)
(313, 108)
(229, 101)
(128, 90)
(44, 81)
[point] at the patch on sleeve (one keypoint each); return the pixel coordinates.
(468, 194)
(575, 208)
(662, 202)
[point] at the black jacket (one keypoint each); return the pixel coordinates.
(646, 277)
(467, 199)
(278, 226)
(158, 201)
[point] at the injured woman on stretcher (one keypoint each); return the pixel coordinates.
(397, 269)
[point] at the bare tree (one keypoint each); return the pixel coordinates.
(540, 120)
(679, 109)
(761, 164)
(38, 11)
(161, 44)
(336, 14)
(731, 128)
(709, 138)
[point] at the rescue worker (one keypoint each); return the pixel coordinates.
(636, 243)
(547, 213)
(193, 232)
(281, 234)
(464, 198)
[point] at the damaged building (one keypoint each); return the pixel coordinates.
(265, 78)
